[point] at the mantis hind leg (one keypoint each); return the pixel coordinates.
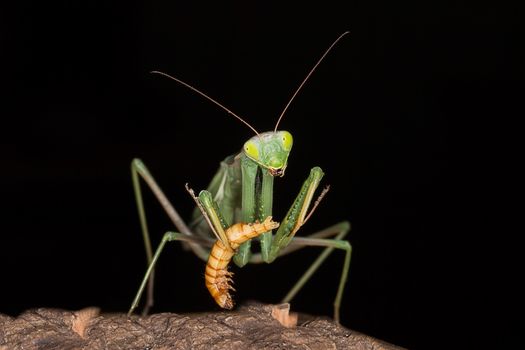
(139, 170)
(340, 230)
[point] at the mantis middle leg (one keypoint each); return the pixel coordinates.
(336, 243)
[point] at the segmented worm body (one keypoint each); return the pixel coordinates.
(218, 278)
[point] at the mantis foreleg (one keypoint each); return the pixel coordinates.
(248, 204)
(296, 215)
(294, 219)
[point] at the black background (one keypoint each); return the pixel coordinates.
(380, 115)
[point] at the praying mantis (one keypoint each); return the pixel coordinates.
(242, 192)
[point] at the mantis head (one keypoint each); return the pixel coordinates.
(270, 150)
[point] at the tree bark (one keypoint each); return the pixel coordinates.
(250, 327)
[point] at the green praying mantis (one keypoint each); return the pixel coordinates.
(242, 191)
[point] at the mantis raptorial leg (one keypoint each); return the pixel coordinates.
(242, 191)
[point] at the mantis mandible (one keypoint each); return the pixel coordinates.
(242, 191)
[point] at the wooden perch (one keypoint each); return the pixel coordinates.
(250, 327)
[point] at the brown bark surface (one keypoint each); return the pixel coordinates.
(253, 326)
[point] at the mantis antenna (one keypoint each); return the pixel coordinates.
(308, 76)
(206, 97)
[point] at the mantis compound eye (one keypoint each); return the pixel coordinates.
(287, 140)
(251, 150)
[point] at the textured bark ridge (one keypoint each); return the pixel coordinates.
(250, 327)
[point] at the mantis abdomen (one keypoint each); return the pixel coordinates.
(218, 278)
